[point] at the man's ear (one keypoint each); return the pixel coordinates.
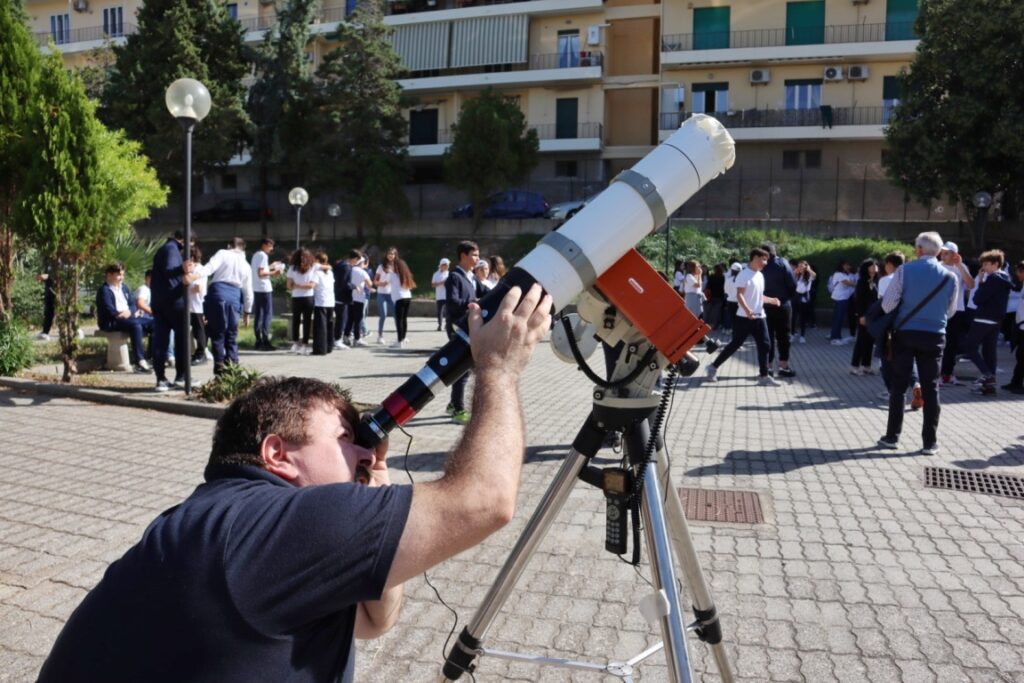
(276, 458)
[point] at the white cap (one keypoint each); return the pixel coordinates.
(444, 262)
(736, 266)
(951, 246)
(481, 264)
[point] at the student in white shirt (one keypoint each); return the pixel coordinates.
(437, 282)
(263, 293)
(751, 319)
(323, 305)
(804, 308)
(228, 298)
(481, 271)
(196, 297)
(730, 294)
(1016, 383)
(301, 283)
(841, 286)
(693, 287)
(361, 283)
(382, 281)
(402, 285)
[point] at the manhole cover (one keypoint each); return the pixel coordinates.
(722, 505)
(975, 482)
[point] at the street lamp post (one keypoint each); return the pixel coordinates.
(298, 197)
(334, 211)
(982, 201)
(188, 101)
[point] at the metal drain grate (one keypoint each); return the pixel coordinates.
(975, 482)
(721, 505)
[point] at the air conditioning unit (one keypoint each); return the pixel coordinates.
(857, 72)
(833, 73)
(81, 5)
(760, 76)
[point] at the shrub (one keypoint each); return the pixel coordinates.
(234, 381)
(16, 352)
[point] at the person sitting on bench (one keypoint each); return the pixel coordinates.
(116, 312)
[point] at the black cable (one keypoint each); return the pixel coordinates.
(652, 440)
(581, 362)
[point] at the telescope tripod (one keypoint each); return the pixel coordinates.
(627, 409)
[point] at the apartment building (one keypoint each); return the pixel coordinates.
(805, 86)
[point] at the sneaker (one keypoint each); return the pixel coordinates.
(208, 354)
(801, 340)
(855, 371)
(461, 417)
(138, 369)
(163, 385)
(986, 388)
(144, 366)
(360, 342)
(711, 346)
(890, 442)
(917, 402)
(837, 342)
(306, 350)
(712, 373)
(438, 328)
(930, 450)
(295, 348)
(787, 372)
(450, 410)
(178, 383)
(42, 336)
(884, 395)
(868, 371)
(340, 345)
(949, 381)
(849, 340)
(201, 360)
(767, 381)
(396, 345)
(381, 339)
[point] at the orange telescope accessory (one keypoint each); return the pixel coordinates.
(640, 293)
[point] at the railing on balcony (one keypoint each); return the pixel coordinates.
(775, 118)
(259, 23)
(443, 136)
(572, 131)
(408, 6)
(81, 35)
(794, 35)
(533, 63)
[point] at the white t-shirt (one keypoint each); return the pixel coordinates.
(358, 281)
(486, 284)
(730, 287)
(978, 279)
(395, 285)
(261, 284)
(803, 287)
(323, 294)
(752, 284)
(884, 283)
(439, 276)
(382, 275)
(960, 286)
(300, 278)
(144, 293)
(841, 291)
(120, 303)
(1013, 302)
(677, 280)
(195, 299)
(690, 284)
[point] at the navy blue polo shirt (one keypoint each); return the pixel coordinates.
(249, 579)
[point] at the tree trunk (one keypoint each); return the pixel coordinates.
(65, 291)
(6, 273)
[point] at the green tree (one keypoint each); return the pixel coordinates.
(491, 148)
(275, 99)
(956, 129)
(180, 39)
(19, 73)
(359, 144)
(84, 186)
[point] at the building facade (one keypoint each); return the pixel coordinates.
(805, 87)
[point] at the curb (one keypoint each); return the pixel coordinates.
(186, 408)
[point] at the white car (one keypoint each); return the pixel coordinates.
(566, 210)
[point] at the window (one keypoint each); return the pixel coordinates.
(423, 127)
(60, 28)
(113, 21)
(567, 117)
(568, 49)
(229, 181)
(566, 169)
(805, 22)
(795, 159)
(891, 91)
(709, 98)
(899, 19)
(710, 28)
(803, 93)
(232, 8)
(673, 96)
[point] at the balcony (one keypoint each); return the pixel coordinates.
(409, 11)
(847, 123)
(881, 41)
(583, 137)
(82, 39)
(541, 69)
(411, 6)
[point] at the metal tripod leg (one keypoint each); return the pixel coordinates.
(686, 556)
(466, 648)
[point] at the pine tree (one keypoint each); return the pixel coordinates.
(359, 143)
(19, 73)
(491, 148)
(180, 39)
(282, 81)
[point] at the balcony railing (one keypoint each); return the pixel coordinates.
(444, 137)
(534, 63)
(798, 35)
(777, 118)
(408, 6)
(81, 35)
(554, 131)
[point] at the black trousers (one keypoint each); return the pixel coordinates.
(340, 318)
(440, 313)
(302, 313)
(199, 334)
(956, 327)
(48, 307)
(980, 344)
(1018, 371)
(402, 317)
(803, 312)
(862, 348)
(743, 327)
(353, 326)
(924, 348)
(323, 330)
(778, 319)
(165, 319)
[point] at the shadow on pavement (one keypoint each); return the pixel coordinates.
(781, 460)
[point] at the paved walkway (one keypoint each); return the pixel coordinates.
(860, 573)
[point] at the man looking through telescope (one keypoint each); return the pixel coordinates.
(297, 542)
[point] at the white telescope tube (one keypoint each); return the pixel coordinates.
(613, 223)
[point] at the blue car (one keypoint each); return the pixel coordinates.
(509, 204)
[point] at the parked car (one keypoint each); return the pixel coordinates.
(566, 210)
(508, 204)
(231, 211)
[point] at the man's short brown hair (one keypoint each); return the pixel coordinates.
(274, 405)
(995, 256)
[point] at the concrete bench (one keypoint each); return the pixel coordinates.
(118, 357)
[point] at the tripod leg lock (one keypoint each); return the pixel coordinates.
(461, 657)
(709, 629)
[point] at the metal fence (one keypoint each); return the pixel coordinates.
(793, 35)
(824, 117)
